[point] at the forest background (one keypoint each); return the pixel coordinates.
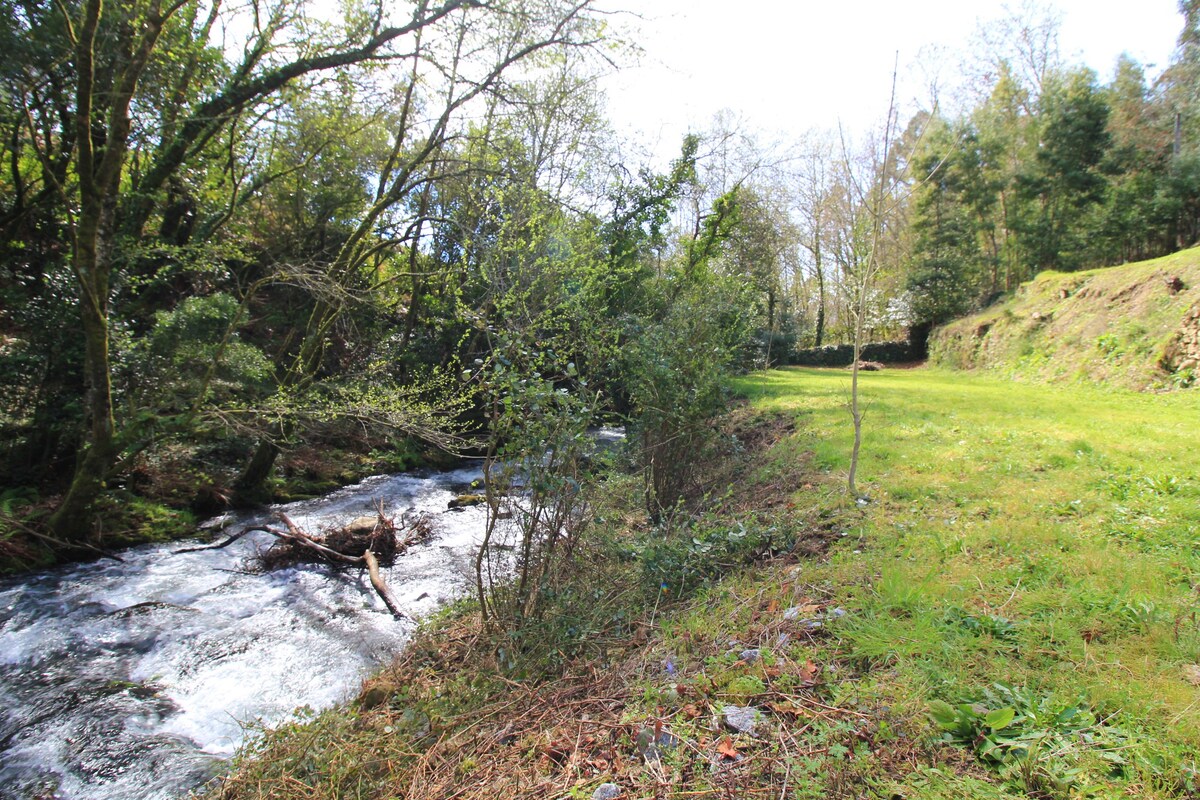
(235, 235)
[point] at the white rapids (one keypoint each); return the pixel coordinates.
(137, 680)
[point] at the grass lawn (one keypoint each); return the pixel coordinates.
(1043, 538)
(1013, 614)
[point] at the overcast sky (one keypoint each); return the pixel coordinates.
(790, 65)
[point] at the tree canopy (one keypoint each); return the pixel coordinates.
(229, 230)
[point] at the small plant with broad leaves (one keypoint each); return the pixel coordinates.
(1184, 378)
(1038, 743)
(994, 625)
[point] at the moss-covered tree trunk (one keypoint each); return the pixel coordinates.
(102, 127)
(72, 519)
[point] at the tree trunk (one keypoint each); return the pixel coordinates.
(820, 306)
(72, 520)
(249, 487)
(99, 163)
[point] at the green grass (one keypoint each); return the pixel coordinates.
(1014, 614)
(1042, 537)
(1110, 326)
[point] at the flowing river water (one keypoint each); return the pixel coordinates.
(138, 680)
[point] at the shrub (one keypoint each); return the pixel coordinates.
(676, 369)
(677, 563)
(537, 505)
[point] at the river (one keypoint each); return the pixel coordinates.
(138, 680)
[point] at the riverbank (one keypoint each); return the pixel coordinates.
(166, 500)
(1013, 614)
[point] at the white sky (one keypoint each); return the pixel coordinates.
(786, 66)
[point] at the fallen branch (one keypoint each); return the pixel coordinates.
(299, 537)
(293, 534)
(381, 587)
(363, 542)
(218, 546)
(59, 544)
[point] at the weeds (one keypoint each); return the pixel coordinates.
(1057, 657)
(676, 563)
(993, 625)
(1042, 745)
(1185, 378)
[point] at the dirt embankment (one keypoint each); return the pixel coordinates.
(1136, 326)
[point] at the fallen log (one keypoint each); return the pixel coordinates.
(365, 542)
(381, 588)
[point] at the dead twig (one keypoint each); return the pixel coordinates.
(219, 546)
(381, 587)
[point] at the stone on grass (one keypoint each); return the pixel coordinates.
(794, 614)
(750, 655)
(374, 697)
(1191, 673)
(606, 791)
(740, 719)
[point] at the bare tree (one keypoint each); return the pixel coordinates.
(1024, 44)
(867, 239)
(813, 186)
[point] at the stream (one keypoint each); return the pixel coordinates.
(138, 680)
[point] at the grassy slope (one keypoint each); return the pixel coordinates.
(1112, 326)
(1072, 513)
(1047, 538)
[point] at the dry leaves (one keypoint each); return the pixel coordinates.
(727, 748)
(789, 709)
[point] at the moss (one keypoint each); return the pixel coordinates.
(132, 520)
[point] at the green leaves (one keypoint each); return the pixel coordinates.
(943, 714)
(678, 563)
(675, 368)
(1000, 718)
(969, 722)
(1034, 741)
